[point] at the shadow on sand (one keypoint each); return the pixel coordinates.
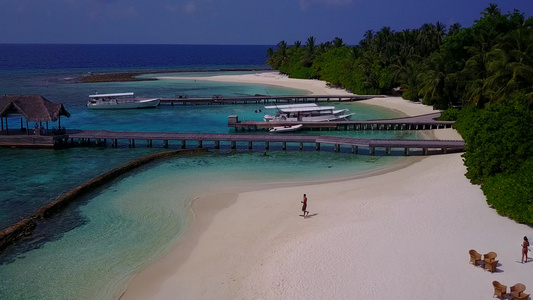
(309, 216)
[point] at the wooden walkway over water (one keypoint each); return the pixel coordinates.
(261, 141)
(422, 122)
(264, 99)
(285, 141)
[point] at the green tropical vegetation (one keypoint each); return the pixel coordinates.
(482, 75)
(499, 154)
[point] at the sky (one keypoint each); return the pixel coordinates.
(227, 22)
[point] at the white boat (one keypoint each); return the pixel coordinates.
(120, 101)
(287, 128)
(308, 112)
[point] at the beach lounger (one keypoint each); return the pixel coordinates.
(517, 290)
(499, 289)
(491, 266)
(487, 258)
(490, 261)
(523, 296)
(475, 257)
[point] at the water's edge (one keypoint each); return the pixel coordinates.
(26, 226)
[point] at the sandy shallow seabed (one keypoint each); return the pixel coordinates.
(402, 234)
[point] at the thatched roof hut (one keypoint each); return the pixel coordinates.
(34, 108)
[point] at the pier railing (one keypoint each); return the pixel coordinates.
(263, 99)
(259, 142)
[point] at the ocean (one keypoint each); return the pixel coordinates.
(93, 247)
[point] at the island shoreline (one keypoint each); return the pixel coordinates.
(362, 232)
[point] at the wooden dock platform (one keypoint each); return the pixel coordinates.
(264, 99)
(32, 141)
(265, 141)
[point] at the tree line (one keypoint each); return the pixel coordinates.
(486, 63)
(485, 70)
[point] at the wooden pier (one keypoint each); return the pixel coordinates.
(217, 140)
(264, 99)
(265, 141)
(424, 122)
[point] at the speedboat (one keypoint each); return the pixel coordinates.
(120, 101)
(307, 112)
(287, 128)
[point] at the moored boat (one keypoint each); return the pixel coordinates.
(287, 128)
(120, 101)
(307, 112)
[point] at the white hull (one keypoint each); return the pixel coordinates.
(307, 112)
(114, 104)
(324, 118)
(288, 128)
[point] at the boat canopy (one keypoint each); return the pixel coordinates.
(111, 95)
(307, 109)
(291, 106)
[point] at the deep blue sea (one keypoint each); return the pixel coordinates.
(96, 245)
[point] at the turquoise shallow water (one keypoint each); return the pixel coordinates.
(134, 220)
(91, 249)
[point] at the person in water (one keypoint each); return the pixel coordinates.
(525, 248)
(304, 207)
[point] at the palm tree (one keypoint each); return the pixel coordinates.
(518, 20)
(355, 52)
(337, 42)
(310, 44)
(368, 37)
(382, 45)
(270, 55)
(430, 38)
(279, 56)
(432, 81)
(309, 53)
(321, 48)
(512, 65)
(454, 29)
(282, 47)
(439, 33)
(492, 11)
(475, 73)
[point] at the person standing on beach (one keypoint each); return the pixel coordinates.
(525, 248)
(304, 206)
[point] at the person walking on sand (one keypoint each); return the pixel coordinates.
(525, 248)
(304, 206)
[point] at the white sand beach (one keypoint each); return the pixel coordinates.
(403, 233)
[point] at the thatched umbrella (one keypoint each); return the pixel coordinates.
(34, 108)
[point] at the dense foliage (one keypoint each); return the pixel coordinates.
(499, 139)
(499, 155)
(511, 194)
(451, 114)
(486, 63)
(486, 69)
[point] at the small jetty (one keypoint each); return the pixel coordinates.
(423, 122)
(19, 139)
(264, 99)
